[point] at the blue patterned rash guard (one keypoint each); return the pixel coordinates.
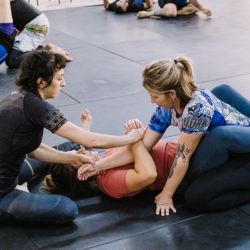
(201, 114)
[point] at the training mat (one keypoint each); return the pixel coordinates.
(110, 52)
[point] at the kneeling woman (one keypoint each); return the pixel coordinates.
(23, 116)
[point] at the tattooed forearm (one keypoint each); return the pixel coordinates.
(182, 153)
(196, 4)
(160, 12)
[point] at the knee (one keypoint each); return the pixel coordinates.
(65, 211)
(171, 14)
(11, 61)
(194, 202)
(221, 90)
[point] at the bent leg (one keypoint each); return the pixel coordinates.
(5, 12)
(187, 10)
(229, 95)
(29, 39)
(224, 187)
(214, 149)
(15, 58)
(20, 207)
(32, 167)
(168, 10)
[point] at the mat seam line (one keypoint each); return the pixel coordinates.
(32, 243)
(146, 231)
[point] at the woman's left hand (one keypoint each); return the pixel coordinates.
(164, 204)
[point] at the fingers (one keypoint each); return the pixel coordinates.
(133, 124)
(89, 160)
(68, 58)
(163, 209)
(81, 151)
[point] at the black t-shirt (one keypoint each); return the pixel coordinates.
(22, 119)
(22, 13)
(133, 6)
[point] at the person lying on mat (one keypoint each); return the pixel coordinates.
(172, 8)
(196, 112)
(122, 6)
(24, 113)
(150, 171)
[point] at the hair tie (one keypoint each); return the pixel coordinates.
(175, 61)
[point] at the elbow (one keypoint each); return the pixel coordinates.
(150, 178)
(150, 5)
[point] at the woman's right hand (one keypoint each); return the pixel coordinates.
(133, 124)
(136, 135)
(80, 159)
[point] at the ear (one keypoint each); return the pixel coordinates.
(173, 93)
(41, 83)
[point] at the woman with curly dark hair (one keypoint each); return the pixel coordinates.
(23, 116)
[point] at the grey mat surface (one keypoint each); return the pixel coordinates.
(110, 52)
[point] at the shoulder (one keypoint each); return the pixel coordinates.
(32, 102)
(198, 113)
(200, 104)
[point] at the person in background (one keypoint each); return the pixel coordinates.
(172, 8)
(33, 27)
(122, 6)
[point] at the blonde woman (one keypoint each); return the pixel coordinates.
(195, 112)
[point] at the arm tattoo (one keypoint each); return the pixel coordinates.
(196, 4)
(181, 153)
(160, 12)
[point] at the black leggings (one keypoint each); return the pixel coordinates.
(222, 187)
(15, 57)
(218, 179)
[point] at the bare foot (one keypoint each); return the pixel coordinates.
(142, 14)
(86, 120)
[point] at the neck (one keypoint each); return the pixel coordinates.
(177, 107)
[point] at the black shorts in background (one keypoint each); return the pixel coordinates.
(178, 6)
(7, 41)
(133, 6)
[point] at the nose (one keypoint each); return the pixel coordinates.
(63, 84)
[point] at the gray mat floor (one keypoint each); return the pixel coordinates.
(110, 52)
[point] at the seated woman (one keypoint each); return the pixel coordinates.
(24, 113)
(7, 31)
(150, 171)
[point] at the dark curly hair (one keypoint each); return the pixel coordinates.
(62, 180)
(38, 64)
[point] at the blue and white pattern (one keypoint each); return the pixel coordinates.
(203, 113)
